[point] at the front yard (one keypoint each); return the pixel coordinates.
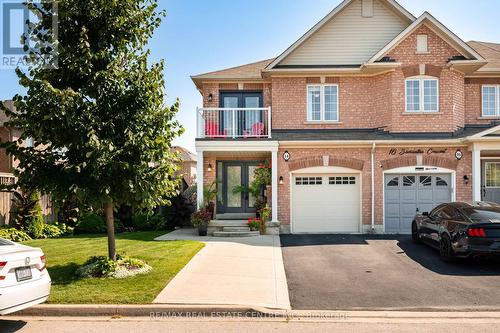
(65, 255)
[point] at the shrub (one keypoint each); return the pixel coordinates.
(142, 221)
(13, 234)
(27, 212)
(90, 224)
(103, 267)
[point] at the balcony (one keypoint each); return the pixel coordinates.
(228, 123)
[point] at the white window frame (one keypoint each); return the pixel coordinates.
(486, 165)
(322, 102)
(497, 100)
(421, 79)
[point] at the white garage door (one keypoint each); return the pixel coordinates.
(328, 203)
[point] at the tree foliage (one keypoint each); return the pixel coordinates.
(101, 129)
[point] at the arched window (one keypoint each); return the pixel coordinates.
(422, 94)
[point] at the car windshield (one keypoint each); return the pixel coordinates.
(478, 215)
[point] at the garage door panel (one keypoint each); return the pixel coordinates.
(408, 195)
(391, 195)
(332, 207)
(404, 194)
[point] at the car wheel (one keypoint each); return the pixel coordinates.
(445, 249)
(415, 233)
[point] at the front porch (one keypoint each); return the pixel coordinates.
(228, 168)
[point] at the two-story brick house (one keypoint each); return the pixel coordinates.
(370, 117)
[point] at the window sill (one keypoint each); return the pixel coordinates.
(420, 113)
(325, 122)
(488, 118)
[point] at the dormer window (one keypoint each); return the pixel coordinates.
(422, 94)
(422, 46)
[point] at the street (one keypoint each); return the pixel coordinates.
(408, 322)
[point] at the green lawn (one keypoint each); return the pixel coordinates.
(65, 255)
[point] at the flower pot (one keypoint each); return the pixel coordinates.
(203, 229)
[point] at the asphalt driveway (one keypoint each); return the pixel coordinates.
(380, 272)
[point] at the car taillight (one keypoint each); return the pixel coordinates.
(44, 263)
(476, 232)
(2, 265)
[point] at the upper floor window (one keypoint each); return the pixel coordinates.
(323, 102)
(422, 94)
(491, 101)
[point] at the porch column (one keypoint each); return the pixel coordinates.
(476, 174)
(199, 177)
(274, 184)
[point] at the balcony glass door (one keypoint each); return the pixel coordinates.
(247, 123)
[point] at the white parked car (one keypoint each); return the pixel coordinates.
(24, 280)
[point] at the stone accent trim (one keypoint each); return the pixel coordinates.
(319, 161)
(406, 161)
(414, 70)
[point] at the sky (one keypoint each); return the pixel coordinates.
(200, 36)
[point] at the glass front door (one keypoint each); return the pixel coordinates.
(235, 179)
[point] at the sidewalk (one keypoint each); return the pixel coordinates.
(236, 271)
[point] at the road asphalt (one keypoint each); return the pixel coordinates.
(239, 325)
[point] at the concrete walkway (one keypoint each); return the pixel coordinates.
(229, 271)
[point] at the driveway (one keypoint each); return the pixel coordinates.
(229, 271)
(380, 272)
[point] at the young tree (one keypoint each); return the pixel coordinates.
(102, 133)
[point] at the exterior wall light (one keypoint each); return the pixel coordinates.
(466, 180)
(281, 180)
(209, 169)
(210, 97)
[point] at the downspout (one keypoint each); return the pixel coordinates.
(373, 186)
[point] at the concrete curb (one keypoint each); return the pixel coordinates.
(169, 310)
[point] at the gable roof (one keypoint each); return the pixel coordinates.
(391, 3)
(252, 71)
(437, 27)
(185, 155)
(489, 51)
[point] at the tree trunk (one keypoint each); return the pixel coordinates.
(110, 223)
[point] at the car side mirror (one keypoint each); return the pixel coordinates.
(426, 214)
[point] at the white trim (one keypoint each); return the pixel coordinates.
(322, 105)
(426, 17)
(236, 145)
(325, 20)
(422, 79)
(326, 171)
(199, 177)
(428, 170)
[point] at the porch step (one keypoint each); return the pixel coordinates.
(228, 223)
(235, 229)
(236, 233)
(234, 216)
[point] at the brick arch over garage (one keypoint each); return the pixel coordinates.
(407, 161)
(320, 161)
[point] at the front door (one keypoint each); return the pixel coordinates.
(236, 177)
(491, 181)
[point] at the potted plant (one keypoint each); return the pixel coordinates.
(265, 216)
(254, 224)
(200, 220)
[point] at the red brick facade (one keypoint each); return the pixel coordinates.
(373, 102)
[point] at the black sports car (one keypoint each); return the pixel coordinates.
(460, 229)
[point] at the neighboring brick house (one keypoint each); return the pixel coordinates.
(8, 164)
(371, 116)
(188, 165)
